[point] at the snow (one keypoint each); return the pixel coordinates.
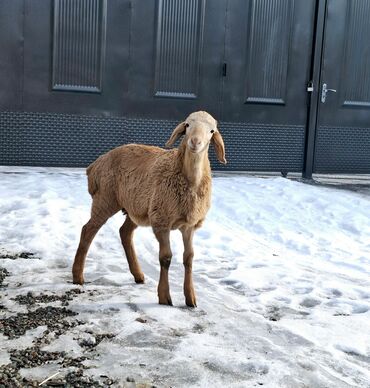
(281, 272)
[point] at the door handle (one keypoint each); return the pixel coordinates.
(324, 91)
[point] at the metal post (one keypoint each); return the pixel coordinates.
(317, 53)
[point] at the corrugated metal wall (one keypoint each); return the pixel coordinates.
(80, 77)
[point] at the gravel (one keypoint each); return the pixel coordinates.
(95, 340)
(3, 274)
(52, 317)
(10, 377)
(15, 256)
(30, 299)
(58, 320)
(31, 357)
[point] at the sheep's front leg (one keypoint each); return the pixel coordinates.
(165, 256)
(187, 237)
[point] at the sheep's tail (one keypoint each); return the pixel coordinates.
(92, 182)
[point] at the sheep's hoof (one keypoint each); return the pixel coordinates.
(166, 301)
(190, 298)
(139, 279)
(77, 274)
(191, 302)
(79, 281)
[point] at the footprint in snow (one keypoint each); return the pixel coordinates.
(273, 313)
(203, 234)
(360, 309)
(363, 294)
(310, 302)
(193, 312)
(219, 274)
(258, 265)
(335, 293)
(233, 284)
(115, 268)
(354, 353)
(107, 281)
(226, 239)
(283, 299)
(303, 290)
(266, 289)
(199, 328)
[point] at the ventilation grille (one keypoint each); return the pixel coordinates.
(78, 45)
(342, 150)
(268, 54)
(179, 37)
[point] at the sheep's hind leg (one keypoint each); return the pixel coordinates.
(187, 237)
(87, 235)
(165, 256)
(126, 232)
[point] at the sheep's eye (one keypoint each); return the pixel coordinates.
(186, 125)
(212, 130)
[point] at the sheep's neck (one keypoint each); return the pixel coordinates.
(194, 166)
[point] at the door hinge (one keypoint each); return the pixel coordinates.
(310, 87)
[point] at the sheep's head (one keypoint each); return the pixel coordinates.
(199, 129)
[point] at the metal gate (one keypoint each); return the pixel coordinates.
(343, 127)
(80, 77)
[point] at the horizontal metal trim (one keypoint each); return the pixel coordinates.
(361, 104)
(264, 100)
(76, 88)
(176, 95)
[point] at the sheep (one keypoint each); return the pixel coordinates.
(164, 189)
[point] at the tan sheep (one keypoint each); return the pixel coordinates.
(164, 189)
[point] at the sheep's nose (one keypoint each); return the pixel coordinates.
(195, 141)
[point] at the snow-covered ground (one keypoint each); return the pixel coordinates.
(281, 271)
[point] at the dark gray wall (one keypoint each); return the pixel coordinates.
(11, 55)
(81, 77)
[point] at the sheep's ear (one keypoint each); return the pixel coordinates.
(219, 147)
(177, 132)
